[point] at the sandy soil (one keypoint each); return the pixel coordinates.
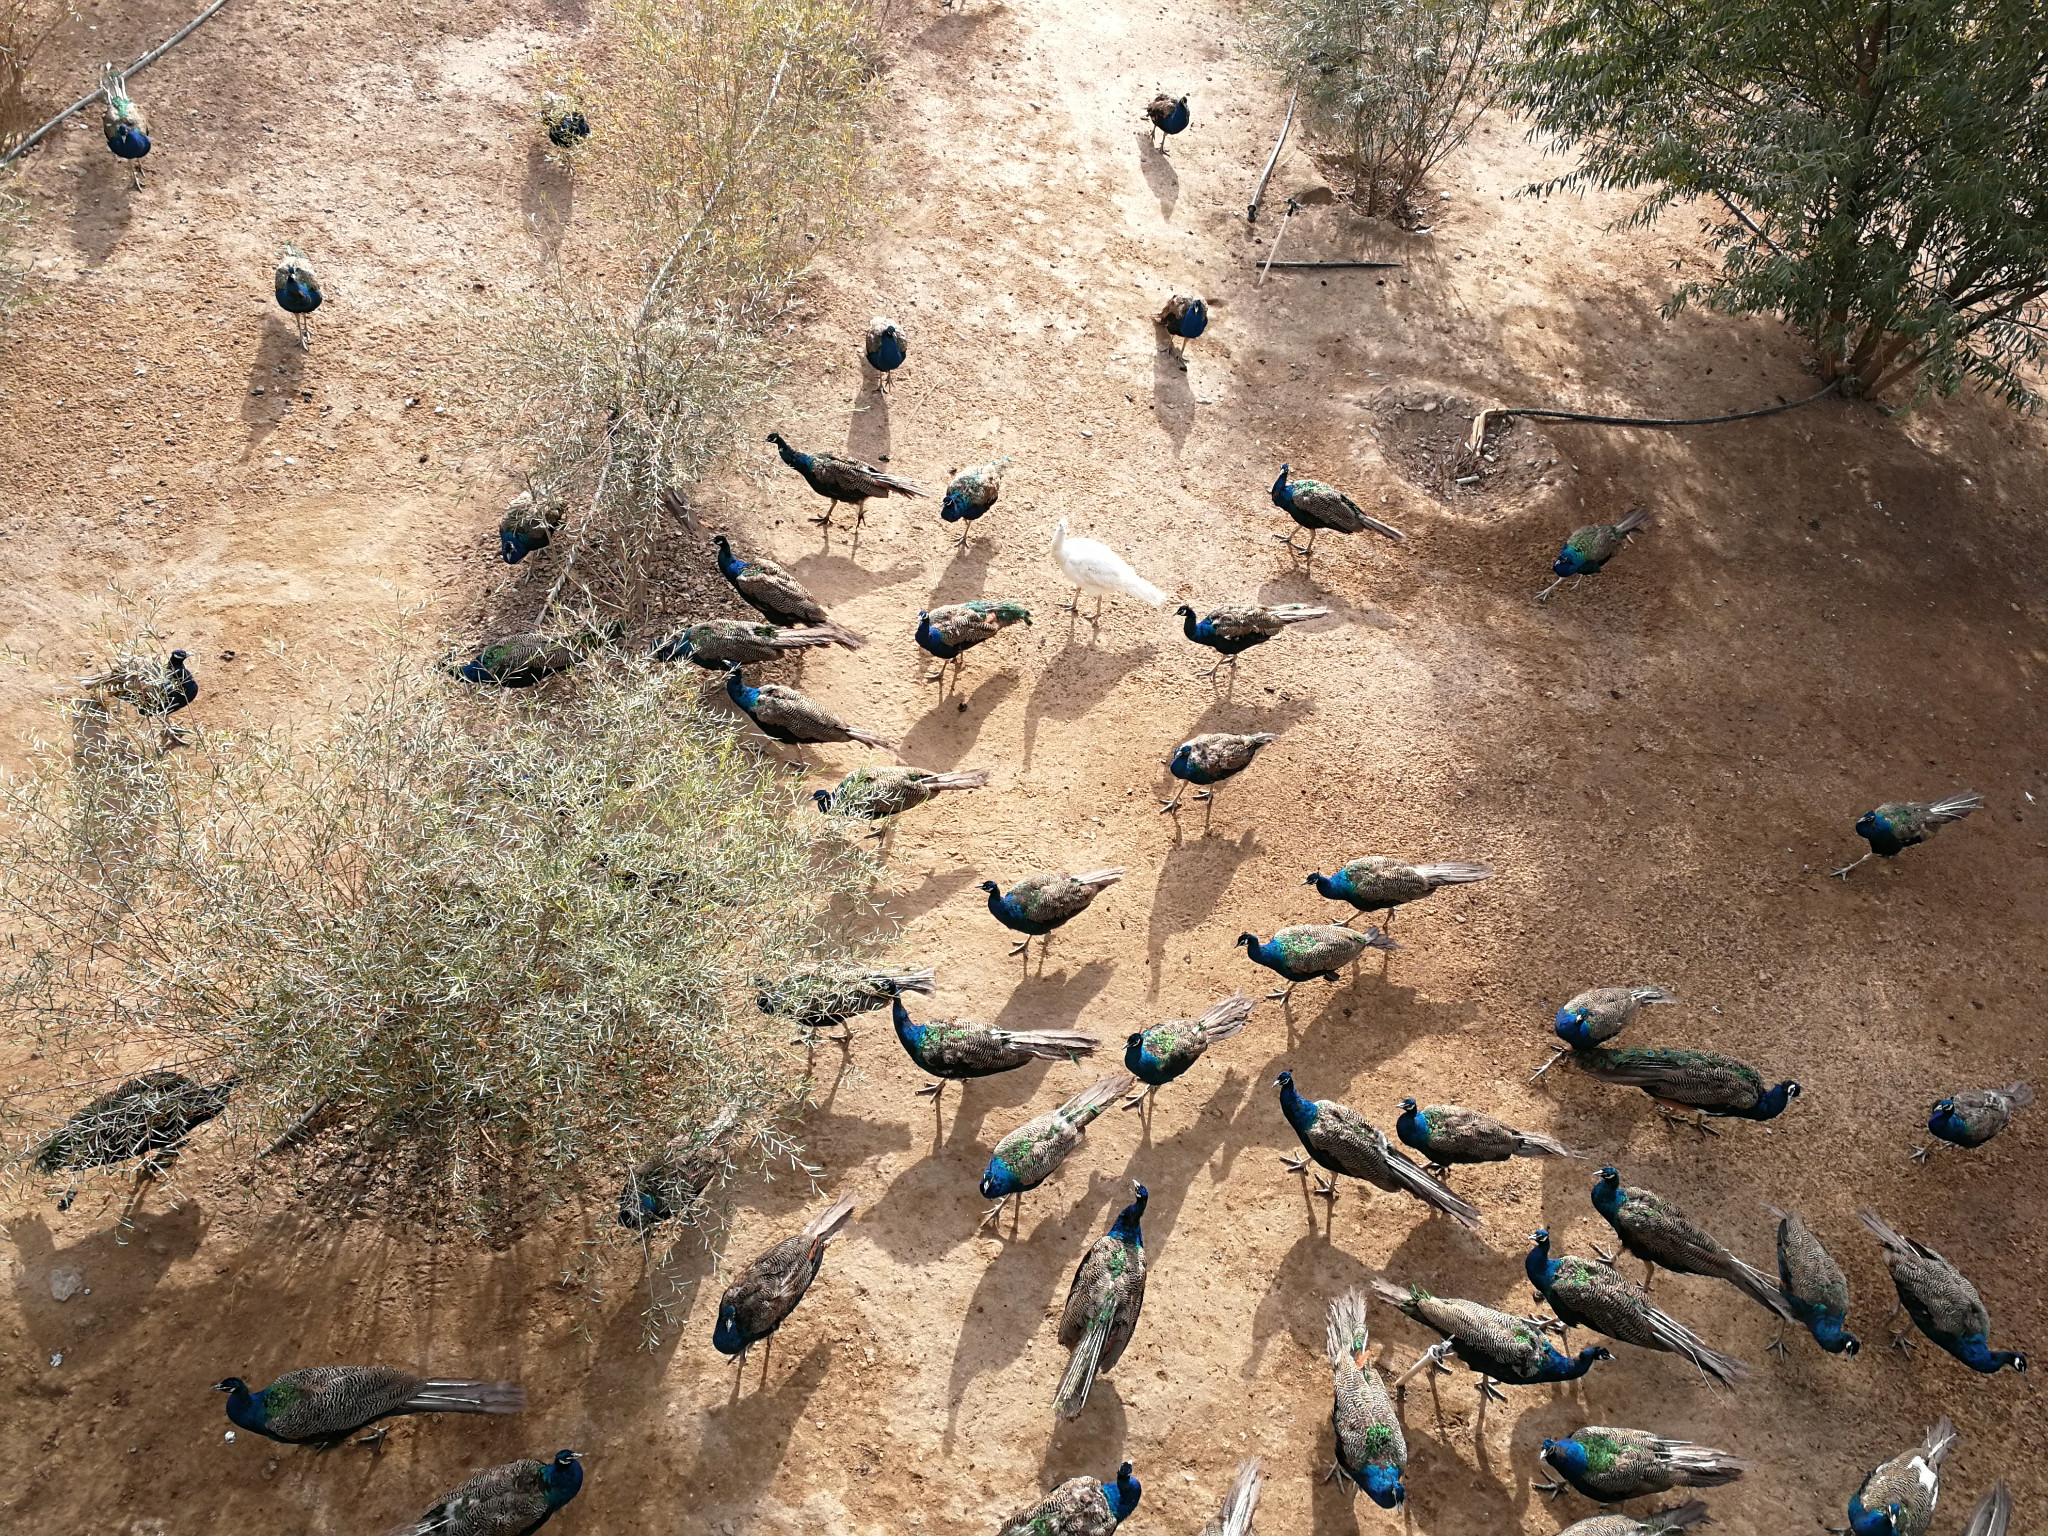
(1832, 608)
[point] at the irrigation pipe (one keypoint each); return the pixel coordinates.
(136, 68)
(1477, 439)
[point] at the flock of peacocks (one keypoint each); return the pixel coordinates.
(148, 1118)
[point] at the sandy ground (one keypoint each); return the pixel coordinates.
(1832, 608)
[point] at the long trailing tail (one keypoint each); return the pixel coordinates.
(1053, 1044)
(1456, 873)
(840, 634)
(1423, 1187)
(1759, 1288)
(1400, 1297)
(1941, 1439)
(1692, 1512)
(2020, 1094)
(1701, 1466)
(677, 505)
(1645, 996)
(893, 982)
(1376, 938)
(1636, 519)
(719, 1129)
(899, 485)
(1224, 1019)
(1242, 1501)
(973, 779)
(827, 633)
(1992, 1514)
(1894, 1244)
(1101, 879)
(1079, 1380)
(1536, 1144)
(1387, 530)
(1297, 613)
(1091, 1101)
(1681, 1340)
(826, 1225)
(1131, 584)
(1955, 808)
(1346, 1335)
(467, 1397)
(869, 739)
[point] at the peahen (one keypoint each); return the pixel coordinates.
(1372, 1452)
(1080, 1506)
(1900, 824)
(325, 1404)
(1156, 1056)
(1037, 904)
(789, 717)
(1232, 631)
(516, 1499)
(1340, 1139)
(1207, 760)
(768, 1289)
(716, 644)
(1970, 1119)
(843, 480)
(1446, 1134)
(531, 520)
(1103, 1303)
(670, 1185)
(1610, 1466)
(562, 116)
(125, 124)
(953, 1050)
(880, 794)
(1316, 506)
(153, 687)
(950, 632)
(1942, 1304)
(821, 997)
(1168, 115)
(297, 290)
(1497, 1346)
(1813, 1286)
(1590, 548)
(1184, 317)
(522, 661)
(1309, 950)
(972, 492)
(775, 594)
(1706, 1082)
(1658, 1232)
(1898, 1497)
(885, 348)
(148, 1117)
(1588, 1295)
(1028, 1156)
(1377, 883)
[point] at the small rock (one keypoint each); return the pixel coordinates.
(230, 1437)
(55, 1361)
(65, 1284)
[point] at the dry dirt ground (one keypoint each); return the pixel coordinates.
(1831, 608)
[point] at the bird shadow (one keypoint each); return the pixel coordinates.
(933, 891)
(1223, 1125)
(1193, 880)
(1309, 1276)
(741, 1441)
(547, 199)
(279, 370)
(1298, 585)
(1156, 166)
(867, 426)
(957, 29)
(1074, 682)
(966, 575)
(942, 736)
(1173, 397)
(121, 1267)
(98, 227)
(835, 579)
(1092, 1444)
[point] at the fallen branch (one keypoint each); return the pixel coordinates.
(1251, 214)
(137, 67)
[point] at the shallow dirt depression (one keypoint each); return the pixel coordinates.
(1830, 608)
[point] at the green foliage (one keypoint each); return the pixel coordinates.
(1392, 85)
(516, 937)
(1877, 173)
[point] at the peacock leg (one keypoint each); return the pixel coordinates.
(1294, 1164)
(1843, 872)
(1544, 595)
(1554, 1488)
(305, 335)
(1488, 1389)
(1777, 1346)
(1557, 1054)
(1174, 803)
(932, 1090)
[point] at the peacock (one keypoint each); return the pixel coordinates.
(1241, 1503)
(950, 632)
(1497, 1346)
(1080, 1506)
(1659, 1522)
(1377, 883)
(1309, 950)
(149, 1117)
(953, 1050)
(881, 794)
(1340, 1139)
(516, 1499)
(297, 290)
(1103, 1303)
(717, 644)
(1038, 904)
(1973, 1118)
(324, 1404)
(1900, 824)
(1095, 568)
(670, 1185)
(1168, 115)
(1611, 1465)
(1898, 1497)
(1590, 548)
(1706, 1082)
(789, 717)
(820, 997)
(1207, 760)
(1449, 1133)
(522, 661)
(1658, 1232)
(1156, 1056)
(843, 480)
(562, 116)
(1814, 1287)
(1372, 1452)
(1232, 631)
(768, 1289)
(124, 123)
(1316, 506)
(531, 520)
(1942, 1304)
(1185, 317)
(1028, 1156)
(772, 592)
(1588, 1295)
(972, 492)
(885, 348)
(153, 687)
